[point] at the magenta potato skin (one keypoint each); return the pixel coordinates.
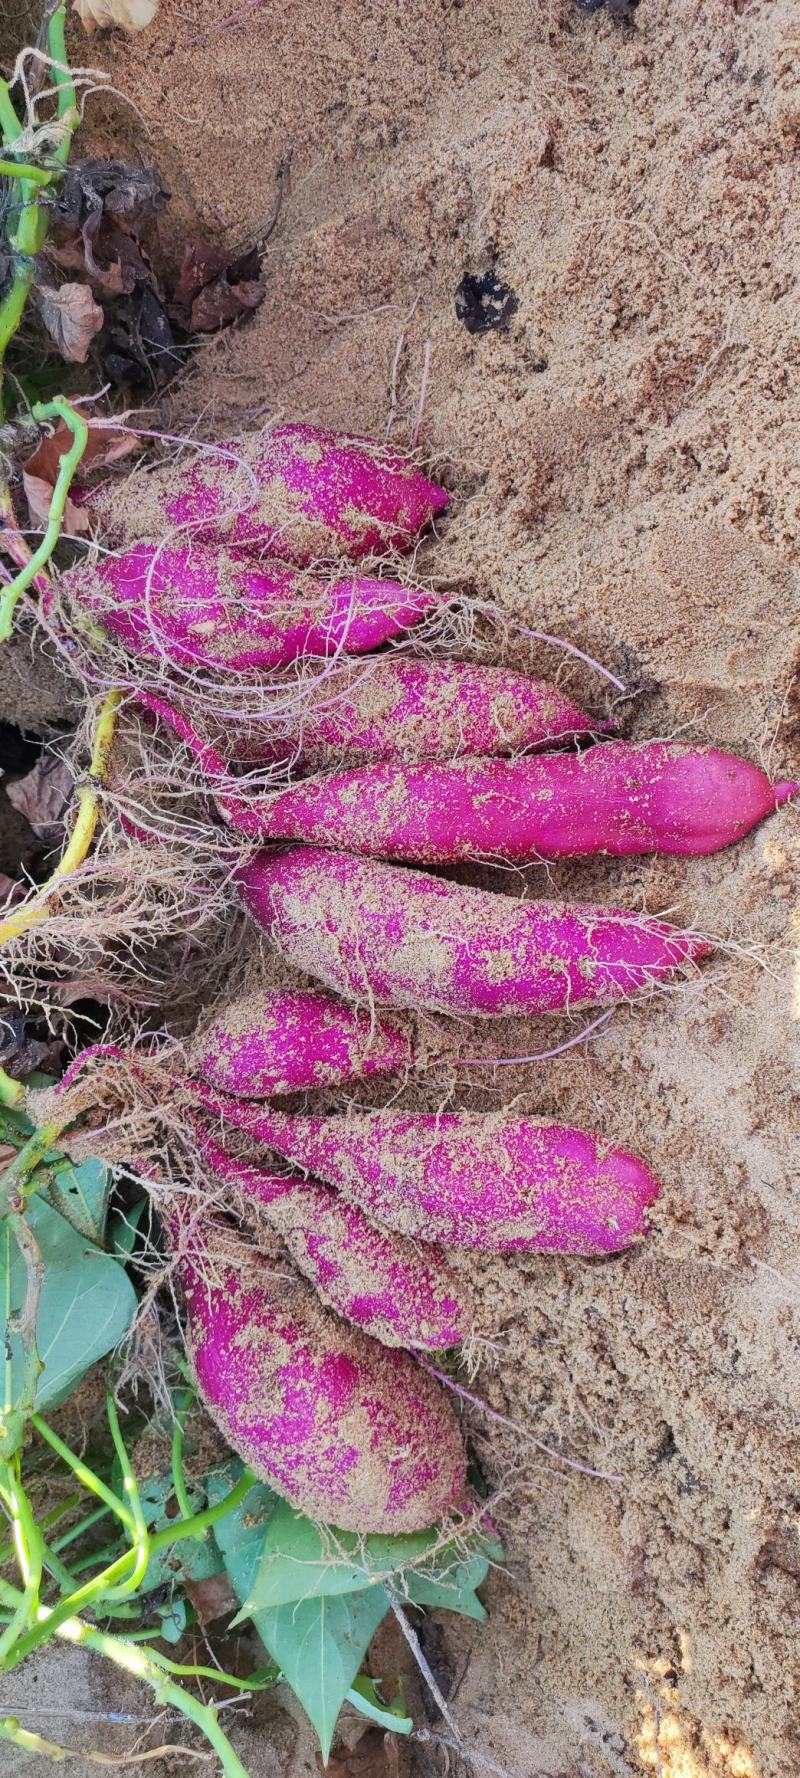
(288, 1040)
(396, 708)
(404, 939)
(347, 1430)
(320, 496)
(380, 1282)
(466, 1179)
(614, 798)
(196, 607)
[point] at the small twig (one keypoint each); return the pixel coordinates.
(414, 1644)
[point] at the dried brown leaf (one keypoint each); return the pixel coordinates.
(41, 469)
(42, 796)
(72, 318)
(124, 15)
(11, 891)
(214, 287)
(212, 1598)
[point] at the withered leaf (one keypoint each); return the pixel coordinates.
(25, 1043)
(11, 890)
(212, 1598)
(72, 318)
(42, 796)
(125, 15)
(214, 287)
(39, 473)
(131, 194)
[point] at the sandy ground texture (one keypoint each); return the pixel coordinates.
(624, 457)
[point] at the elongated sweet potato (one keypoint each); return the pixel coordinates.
(396, 708)
(656, 797)
(404, 939)
(198, 607)
(469, 1180)
(349, 1431)
(296, 492)
(284, 1040)
(383, 1283)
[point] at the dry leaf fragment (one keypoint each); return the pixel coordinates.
(41, 470)
(42, 796)
(214, 287)
(125, 15)
(212, 1598)
(72, 318)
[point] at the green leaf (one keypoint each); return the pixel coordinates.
(86, 1306)
(239, 1535)
(450, 1587)
(364, 1697)
(85, 1190)
(302, 1560)
(319, 1645)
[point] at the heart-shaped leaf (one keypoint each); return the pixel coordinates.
(86, 1305)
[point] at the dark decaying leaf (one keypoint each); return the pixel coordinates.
(139, 345)
(214, 287)
(133, 193)
(25, 1043)
(39, 472)
(72, 318)
(42, 797)
(212, 1597)
(11, 891)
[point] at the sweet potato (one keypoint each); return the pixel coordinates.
(285, 1040)
(296, 492)
(396, 708)
(404, 939)
(198, 607)
(349, 1431)
(493, 1182)
(615, 798)
(382, 1283)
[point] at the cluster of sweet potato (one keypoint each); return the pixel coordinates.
(416, 761)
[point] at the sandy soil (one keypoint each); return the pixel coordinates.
(624, 456)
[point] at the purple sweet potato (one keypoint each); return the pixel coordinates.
(494, 1182)
(396, 708)
(309, 495)
(285, 1040)
(198, 607)
(404, 939)
(347, 1430)
(615, 798)
(381, 1282)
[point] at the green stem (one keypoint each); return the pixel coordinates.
(20, 170)
(27, 1540)
(9, 122)
(146, 1668)
(12, 1092)
(132, 1495)
(45, 410)
(27, 1739)
(15, 1182)
(199, 1523)
(178, 1477)
(83, 1473)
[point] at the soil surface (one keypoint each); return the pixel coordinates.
(564, 247)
